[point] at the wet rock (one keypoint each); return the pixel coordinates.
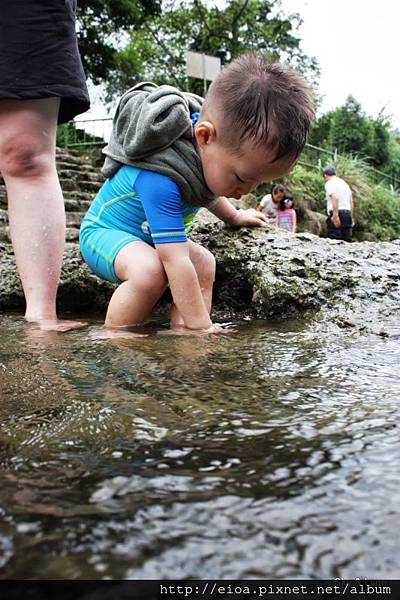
(261, 273)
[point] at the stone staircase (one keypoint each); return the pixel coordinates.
(80, 179)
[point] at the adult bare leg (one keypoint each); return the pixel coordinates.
(36, 207)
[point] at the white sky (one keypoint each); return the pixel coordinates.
(357, 44)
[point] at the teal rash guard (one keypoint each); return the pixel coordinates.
(134, 204)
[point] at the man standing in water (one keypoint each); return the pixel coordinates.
(339, 206)
(42, 83)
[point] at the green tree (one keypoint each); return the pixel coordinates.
(320, 131)
(102, 25)
(158, 51)
(351, 131)
(393, 166)
(380, 144)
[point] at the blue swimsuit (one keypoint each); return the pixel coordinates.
(134, 204)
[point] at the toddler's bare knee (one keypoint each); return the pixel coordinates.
(23, 156)
(154, 279)
(208, 267)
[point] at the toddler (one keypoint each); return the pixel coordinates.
(286, 215)
(171, 153)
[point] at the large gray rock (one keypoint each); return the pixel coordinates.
(267, 273)
(262, 273)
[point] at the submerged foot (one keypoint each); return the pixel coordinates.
(60, 325)
(107, 333)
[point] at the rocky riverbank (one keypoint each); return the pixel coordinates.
(262, 274)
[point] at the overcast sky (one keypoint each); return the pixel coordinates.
(357, 44)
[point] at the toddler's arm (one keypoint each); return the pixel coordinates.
(224, 210)
(184, 285)
(294, 221)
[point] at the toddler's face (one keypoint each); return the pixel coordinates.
(234, 175)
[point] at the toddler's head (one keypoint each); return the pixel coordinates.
(253, 125)
(286, 202)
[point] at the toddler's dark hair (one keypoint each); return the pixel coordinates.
(266, 103)
(282, 203)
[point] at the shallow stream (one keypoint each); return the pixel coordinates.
(270, 453)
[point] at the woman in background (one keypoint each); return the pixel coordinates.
(269, 203)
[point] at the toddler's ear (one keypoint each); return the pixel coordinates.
(204, 133)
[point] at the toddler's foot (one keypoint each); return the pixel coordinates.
(106, 333)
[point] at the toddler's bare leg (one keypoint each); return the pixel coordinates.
(204, 263)
(144, 281)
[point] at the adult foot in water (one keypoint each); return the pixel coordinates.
(60, 325)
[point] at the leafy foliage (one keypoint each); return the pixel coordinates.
(157, 51)
(69, 135)
(307, 184)
(349, 130)
(394, 155)
(101, 28)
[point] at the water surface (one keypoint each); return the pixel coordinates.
(270, 453)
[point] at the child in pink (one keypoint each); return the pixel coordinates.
(286, 215)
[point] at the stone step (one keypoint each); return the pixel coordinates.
(74, 219)
(73, 195)
(81, 176)
(87, 186)
(64, 165)
(4, 234)
(72, 205)
(3, 196)
(80, 180)
(69, 156)
(72, 234)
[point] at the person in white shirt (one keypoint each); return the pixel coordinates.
(339, 206)
(270, 202)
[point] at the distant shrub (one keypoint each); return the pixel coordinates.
(379, 213)
(307, 185)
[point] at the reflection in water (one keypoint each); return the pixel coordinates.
(271, 453)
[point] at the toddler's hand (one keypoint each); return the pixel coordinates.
(250, 218)
(214, 329)
(217, 328)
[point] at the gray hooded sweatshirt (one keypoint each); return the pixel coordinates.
(152, 129)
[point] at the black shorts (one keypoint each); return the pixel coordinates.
(344, 231)
(39, 55)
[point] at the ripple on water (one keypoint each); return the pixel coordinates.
(272, 453)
